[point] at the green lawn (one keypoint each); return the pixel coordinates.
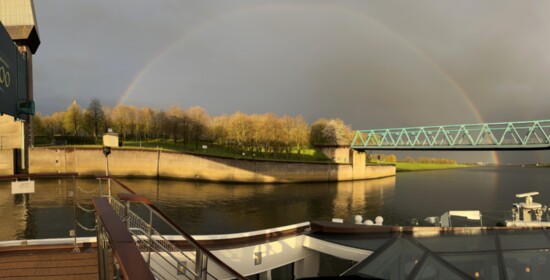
(413, 166)
(310, 154)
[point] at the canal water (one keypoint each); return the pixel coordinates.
(211, 208)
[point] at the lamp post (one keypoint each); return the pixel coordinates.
(107, 152)
(110, 139)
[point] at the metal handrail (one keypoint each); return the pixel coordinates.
(117, 204)
(151, 238)
(133, 218)
(40, 175)
(121, 241)
(180, 230)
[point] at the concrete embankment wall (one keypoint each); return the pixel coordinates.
(147, 163)
(7, 162)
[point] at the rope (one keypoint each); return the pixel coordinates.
(84, 209)
(86, 228)
(86, 191)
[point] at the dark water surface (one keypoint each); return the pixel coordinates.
(209, 208)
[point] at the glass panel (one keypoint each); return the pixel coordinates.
(283, 272)
(396, 262)
(478, 266)
(331, 266)
(435, 269)
(527, 264)
(369, 241)
(459, 243)
(525, 239)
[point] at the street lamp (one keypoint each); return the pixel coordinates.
(110, 139)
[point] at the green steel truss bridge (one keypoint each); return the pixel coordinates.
(525, 135)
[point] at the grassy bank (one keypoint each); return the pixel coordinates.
(310, 154)
(412, 166)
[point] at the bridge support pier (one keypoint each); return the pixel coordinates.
(359, 163)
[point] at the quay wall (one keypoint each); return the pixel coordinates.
(7, 162)
(162, 164)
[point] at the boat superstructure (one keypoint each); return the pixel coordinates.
(136, 240)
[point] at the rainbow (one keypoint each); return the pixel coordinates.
(129, 89)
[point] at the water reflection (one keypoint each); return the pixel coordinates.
(210, 208)
(47, 213)
(364, 198)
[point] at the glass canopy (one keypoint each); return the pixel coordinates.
(481, 254)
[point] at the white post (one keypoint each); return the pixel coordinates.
(108, 179)
(23, 146)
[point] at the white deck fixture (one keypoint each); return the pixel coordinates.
(445, 219)
(379, 220)
(522, 212)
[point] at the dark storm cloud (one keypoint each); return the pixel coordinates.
(372, 63)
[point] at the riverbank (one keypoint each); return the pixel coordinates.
(175, 165)
(413, 166)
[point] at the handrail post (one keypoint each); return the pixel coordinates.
(200, 265)
(100, 188)
(127, 214)
(150, 232)
(101, 251)
(75, 249)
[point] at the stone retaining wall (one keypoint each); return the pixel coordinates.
(148, 163)
(6, 162)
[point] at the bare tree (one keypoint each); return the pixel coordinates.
(94, 118)
(391, 158)
(198, 123)
(240, 129)
(57, 123)
(145, 121)
(218, 129)
(175, 120)
(73, 119)
(122, 118)
(160, 125)
(299, 133)
(39, 124)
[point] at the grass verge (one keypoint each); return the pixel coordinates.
(309, 154)
(413, 166)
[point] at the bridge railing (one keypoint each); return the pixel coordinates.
(484, 136)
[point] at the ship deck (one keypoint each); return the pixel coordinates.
(48, 262)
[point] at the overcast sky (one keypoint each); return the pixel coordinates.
(374, 64)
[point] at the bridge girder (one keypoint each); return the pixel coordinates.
(524, 135)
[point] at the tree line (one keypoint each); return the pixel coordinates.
(258, 133)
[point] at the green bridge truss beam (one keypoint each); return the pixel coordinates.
(525, 135)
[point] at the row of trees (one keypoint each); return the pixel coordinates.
(261, 134)
(266, 133)
(429, 160)
(391, 158)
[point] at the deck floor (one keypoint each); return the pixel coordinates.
(49, 265)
